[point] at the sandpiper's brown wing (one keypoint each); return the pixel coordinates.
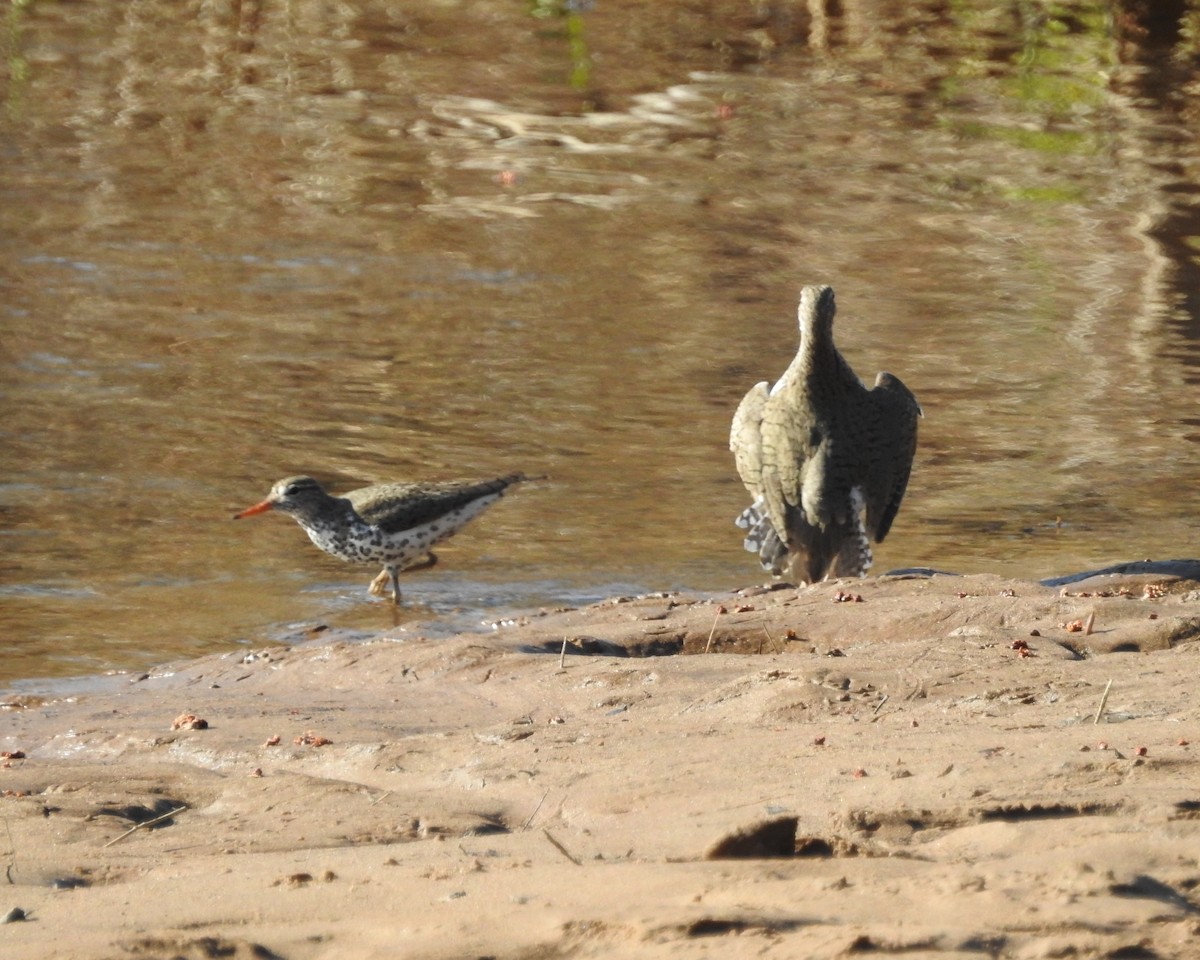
(894, 412)
(792, 455)
(394, 507)
(745, 437)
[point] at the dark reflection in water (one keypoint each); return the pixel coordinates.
(372, 241)
(1154, 37)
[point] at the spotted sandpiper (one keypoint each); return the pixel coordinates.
(817, 450)
(390, 523)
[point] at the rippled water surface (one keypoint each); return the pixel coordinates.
(375, 241)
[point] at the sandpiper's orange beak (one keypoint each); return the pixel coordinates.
(257, 508)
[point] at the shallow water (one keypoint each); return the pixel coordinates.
(374, 243)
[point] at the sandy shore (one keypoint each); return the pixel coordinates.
(773, 772)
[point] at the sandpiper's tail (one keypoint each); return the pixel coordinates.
(854, 556)
(762, 538)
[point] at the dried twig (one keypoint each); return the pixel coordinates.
(708, 645)
(562, 656)
(1088, 623)
(1103, 701)
(529, 819)
(12, 862)
(148, 823)
(879, 705)
(771, 638)
(561, 849)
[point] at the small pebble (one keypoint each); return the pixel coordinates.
(13, 915)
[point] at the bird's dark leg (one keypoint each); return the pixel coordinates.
(429, 560)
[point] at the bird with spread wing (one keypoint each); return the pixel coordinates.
(825, 460)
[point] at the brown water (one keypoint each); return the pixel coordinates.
(374, 241)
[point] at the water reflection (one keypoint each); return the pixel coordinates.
(373, 243)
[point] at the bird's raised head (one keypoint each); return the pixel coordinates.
(294, 495)
(817, 308)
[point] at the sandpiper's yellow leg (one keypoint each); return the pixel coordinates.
(379, 586)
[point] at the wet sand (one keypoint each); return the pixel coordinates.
(893, 766)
